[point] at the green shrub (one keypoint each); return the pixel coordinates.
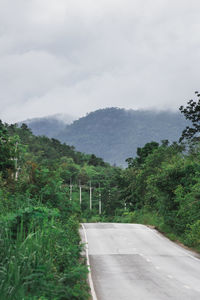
(192, 236)
(29, 219)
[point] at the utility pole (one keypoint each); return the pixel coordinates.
(70, 190)
(109, 196)
(99, 200)
(16, 161)
(80, 192)
(90, 196)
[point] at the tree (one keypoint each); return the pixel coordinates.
(6, 151)
(96, 161)
(192, 113)
(142, 154)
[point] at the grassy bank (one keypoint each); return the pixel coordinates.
(40, 257)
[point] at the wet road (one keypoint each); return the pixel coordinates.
(131, 261)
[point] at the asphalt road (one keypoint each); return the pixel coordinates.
(134, 262)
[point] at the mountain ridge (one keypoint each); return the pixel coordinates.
(48, 125)
(115, 133)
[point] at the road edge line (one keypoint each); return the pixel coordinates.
(184, 250)
(93, 293)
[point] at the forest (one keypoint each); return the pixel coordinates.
(47, 188)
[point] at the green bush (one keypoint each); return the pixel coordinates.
(192, 236)
(29, 218)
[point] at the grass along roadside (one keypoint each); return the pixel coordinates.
(40, 257)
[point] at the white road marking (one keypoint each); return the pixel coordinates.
(185, 252)
(93, 293)
(151, 259)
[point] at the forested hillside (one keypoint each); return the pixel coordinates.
(49, 126)
(114, 134)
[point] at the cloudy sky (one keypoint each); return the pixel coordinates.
(75, 56)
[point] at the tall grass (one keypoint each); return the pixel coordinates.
(40, 259)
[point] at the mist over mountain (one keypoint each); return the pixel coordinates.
(113, 133)
(49, 126)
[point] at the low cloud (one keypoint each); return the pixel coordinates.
(77, 56)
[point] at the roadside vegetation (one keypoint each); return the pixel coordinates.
(40, 248)
(163, 189)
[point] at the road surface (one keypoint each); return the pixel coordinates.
(132, 261)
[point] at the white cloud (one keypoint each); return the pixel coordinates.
(76, 56)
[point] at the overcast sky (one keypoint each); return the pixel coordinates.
(75, 56)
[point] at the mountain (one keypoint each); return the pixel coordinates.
(114, 134)
(49, 126)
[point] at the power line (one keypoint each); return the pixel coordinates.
(80, 187)
(70, 192)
